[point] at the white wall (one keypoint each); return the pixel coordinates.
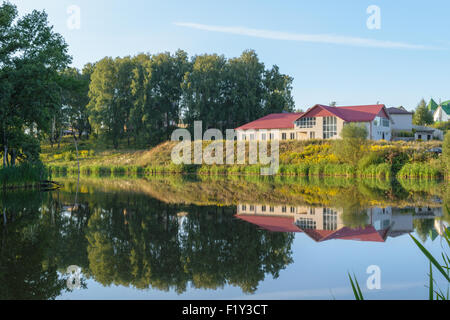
(440, 115)
(402, 122)
(378, 130)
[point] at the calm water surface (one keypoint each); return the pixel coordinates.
(184, 238)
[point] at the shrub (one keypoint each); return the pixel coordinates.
(68, 156)
(446, 152)
(370, 159)
(352, 145)
(84, 154)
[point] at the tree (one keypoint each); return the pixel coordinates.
(164, 92)
(422, 116)
(75, 98)
(140, 82)
(351, 147)
(204, 92)
(227, 93)
(31, 57)
(277, 92)
(110, 94)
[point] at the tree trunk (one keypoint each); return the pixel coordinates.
(60, 137)
(5, 155)
(13, 157)
(76, 148)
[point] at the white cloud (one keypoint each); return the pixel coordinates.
(313, 38)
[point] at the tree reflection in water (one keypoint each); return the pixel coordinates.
(139, 234)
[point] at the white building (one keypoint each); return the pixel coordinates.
(442, 113)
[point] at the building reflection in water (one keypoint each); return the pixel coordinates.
(322, 223)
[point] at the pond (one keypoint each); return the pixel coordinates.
(189, 238)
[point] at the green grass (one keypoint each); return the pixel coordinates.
(297, 158)
(22, 175)
(419, 171)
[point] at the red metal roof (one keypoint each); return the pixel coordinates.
(273, 121)
(287, 224)
(274, 224)
(368, 233)
(349, 114)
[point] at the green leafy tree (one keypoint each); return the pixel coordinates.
(422, 115)
(110, 96)
(138, 115)
(31, 57)
(350, 148)
(164, 93)
(75, 99)
(204, 91)
(277, 92)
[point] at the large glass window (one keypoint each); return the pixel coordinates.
(306, 224)
(306, 122)
(386, 123)
(329, 127)
(329, 219)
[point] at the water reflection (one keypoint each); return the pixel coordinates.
(176, 235)
(322, 223)
(128, 239)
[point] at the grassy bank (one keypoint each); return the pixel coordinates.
(23, 176)
(297, 158)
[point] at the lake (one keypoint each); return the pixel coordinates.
(182, 237)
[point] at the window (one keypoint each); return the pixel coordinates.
(329, 127)
(252, 137)
(312, 135)
(306, 122)
(252, 208)
(263, 136)
(292, 210)
(283, 136)
(272, 136)
(244, 137)
(329, 219)
(306, 224)
(386, 123)
(283, 209)
(244, 208)
(292, 136)
(263, 209)
(272, 209)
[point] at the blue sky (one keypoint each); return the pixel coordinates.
(325, 45)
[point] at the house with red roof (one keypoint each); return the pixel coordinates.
(323, 223)
(318, 223)
(319, 122)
